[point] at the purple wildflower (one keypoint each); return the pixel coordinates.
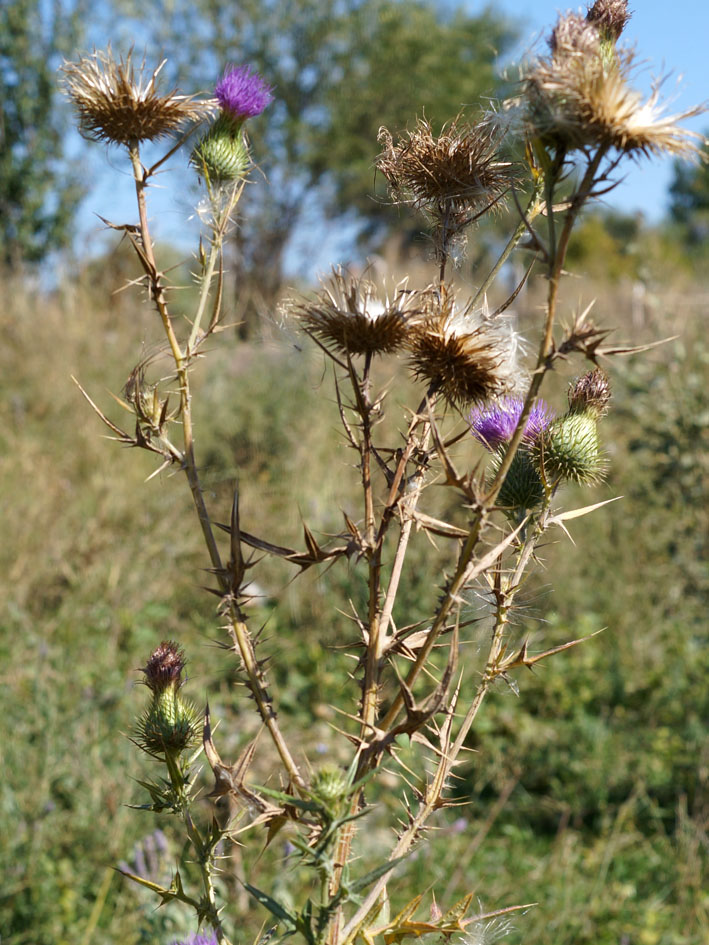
(495, 423)
(199, 939)
(242, 92)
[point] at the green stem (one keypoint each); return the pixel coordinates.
(531, 212)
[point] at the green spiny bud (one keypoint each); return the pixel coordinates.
(570, 449)
(329, 785)
(169, 723)
(522, 489)
(222, 154)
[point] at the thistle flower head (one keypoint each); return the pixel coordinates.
(590, 394)
(169, 723)
(580, 96)
(570, 449)
(242, 93)
(329, 785)
(349, 317)
(466, 357)
(222, 154)
(120, 103)
(522, 489)
(494, 424)
(199, 938)
(164, 667)
(458, 171)
(610, 16)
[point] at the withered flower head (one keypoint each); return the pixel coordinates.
(579, 97)
(164, 667)
(120, 103)
(458, 171)
(610, 16)
(469, 359)
(590, 394)
(573, 34)
(347, 316)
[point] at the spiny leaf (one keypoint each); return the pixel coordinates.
(275, 908)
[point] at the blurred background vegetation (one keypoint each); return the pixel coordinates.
(588, 791)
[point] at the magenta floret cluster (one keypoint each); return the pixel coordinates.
(199, 938)
(242, 92)
(495, 423)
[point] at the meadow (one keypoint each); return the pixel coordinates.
(585, 792)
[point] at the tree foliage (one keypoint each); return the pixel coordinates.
(689, 206)
(38, 192)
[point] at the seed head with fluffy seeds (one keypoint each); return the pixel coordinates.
(347, 316)
(469, 359)
(119, 103)
(458, 171)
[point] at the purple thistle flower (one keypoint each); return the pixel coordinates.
(242, 92)
(495, 423)
(199, 939)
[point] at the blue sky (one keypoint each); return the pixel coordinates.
(670, 37)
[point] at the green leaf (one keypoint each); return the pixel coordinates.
(275, 908)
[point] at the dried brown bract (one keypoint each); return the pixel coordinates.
(458, 171)
(466, 357)
(579, 97)
(348, 316)
(120, 103)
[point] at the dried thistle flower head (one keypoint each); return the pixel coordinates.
(610, 16)
(573, 34)
(122, 104)
(348, 316)
(164, 667)
(579, 97)
(457, 172)
(591, 393)
(459, 352)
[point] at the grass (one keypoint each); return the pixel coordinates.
(602, 757)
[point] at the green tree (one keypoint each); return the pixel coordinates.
(689, 206)
(340, 70)
(38, 193)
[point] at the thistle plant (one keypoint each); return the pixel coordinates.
(573, 120)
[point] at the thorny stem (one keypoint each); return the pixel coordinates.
(431, 799)
(158, 294)
(215, 249)
(238, 628)
(239, 633)
(450, 597)
(556, 262)
(379, 620)
(202, 852)
(532, 211)
(458, 580)
(432, 796)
